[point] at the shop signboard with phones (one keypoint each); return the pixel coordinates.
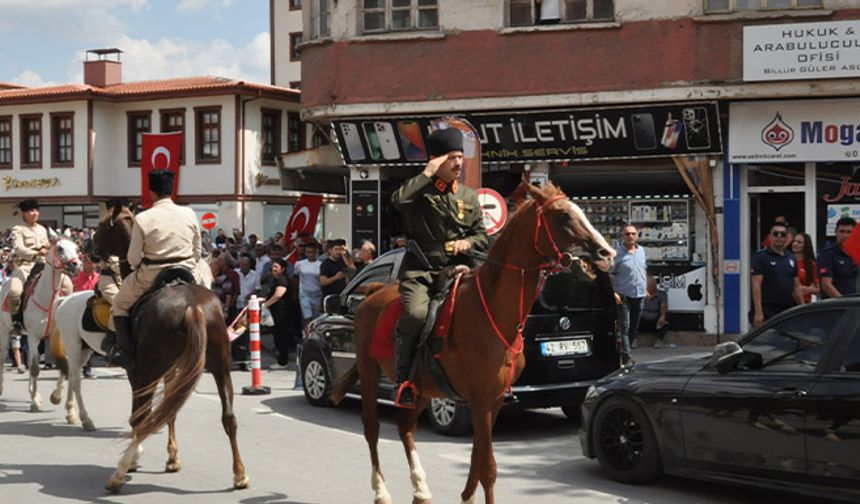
(542, 135)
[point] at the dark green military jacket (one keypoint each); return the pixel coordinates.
(434, 213)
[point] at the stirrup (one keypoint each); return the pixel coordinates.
(406, 396)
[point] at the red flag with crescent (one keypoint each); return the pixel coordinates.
(303, 220)
(160, 151)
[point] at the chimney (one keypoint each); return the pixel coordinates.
(104, 69)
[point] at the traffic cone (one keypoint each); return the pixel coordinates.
(256, 387)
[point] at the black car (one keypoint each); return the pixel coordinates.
(779, 409)
(569, 344)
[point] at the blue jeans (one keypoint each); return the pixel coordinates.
(629, 312)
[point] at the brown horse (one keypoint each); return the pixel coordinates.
(179, 333)
(484, 354)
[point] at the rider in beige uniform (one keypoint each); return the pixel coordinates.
(30, 244)
(167, 235)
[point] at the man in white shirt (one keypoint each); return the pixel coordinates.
(249, 284)
(263, 259)
(310, 292)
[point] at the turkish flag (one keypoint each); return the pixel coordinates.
(303, 220)
(161, 151)
(852, 245)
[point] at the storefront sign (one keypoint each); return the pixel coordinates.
(803, 130)
(684, 288)
(552, 135)
(10, 183)
(824, 50)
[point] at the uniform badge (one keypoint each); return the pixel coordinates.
(454, 186)
(791, 262)
(461, 209)
(773, 263)
(441, 185)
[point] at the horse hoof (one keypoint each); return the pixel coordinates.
(383, 500)
(417, 500)
(114, 487)
(56, 397)
(133, 468)
(89, 426)
(241, 482)
(35, 408)
(172, 467)
(72, 419)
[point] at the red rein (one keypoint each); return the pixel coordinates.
(516, 347)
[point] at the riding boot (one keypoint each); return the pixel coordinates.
(405, 392)
(121, 345)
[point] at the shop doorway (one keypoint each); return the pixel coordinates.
(766, 207)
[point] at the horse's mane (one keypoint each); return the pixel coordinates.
(549, 191)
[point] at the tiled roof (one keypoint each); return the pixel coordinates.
(143, 89)
(9, 85)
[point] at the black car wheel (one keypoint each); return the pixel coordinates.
(316, 381)
(449, 418)
(624, 442)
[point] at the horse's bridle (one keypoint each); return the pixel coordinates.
(516, 347)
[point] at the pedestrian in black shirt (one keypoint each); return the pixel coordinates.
(336, 268)
(836, 269)
(775, 286)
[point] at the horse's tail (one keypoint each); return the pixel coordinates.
(179, 379)
(58, 349)
(344, 384)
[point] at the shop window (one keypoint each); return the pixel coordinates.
(295, 5)
(530, 12)
(399, 15)
(31, 141)
(271, 136)
(295, 42)
(320, 19)
(728, 6)
(138, 124)
(790, 174)
(208, 134)
(319, 139)
(6, 142)
(62, 139)
(295, 132)
(173, 120)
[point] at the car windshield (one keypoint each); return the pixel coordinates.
(795, 343)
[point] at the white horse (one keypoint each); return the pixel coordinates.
(61, 263)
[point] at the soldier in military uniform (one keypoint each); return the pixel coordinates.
(30, 244)
(445, 220)
(164, 236)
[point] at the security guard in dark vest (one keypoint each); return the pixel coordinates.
(444, 219)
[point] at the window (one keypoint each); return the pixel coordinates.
(295, 132)
(399, 15)
(271, 136)
(296, 84)
(295, 4)
(295, 42)
(379, 274)
(851, 362)
(174, 120)
(138, 124)
(6, 142)
(725, 6)
(320, 19)
(527, 12)
(62, 139)
(794, 344)
(318, 139)
(208, 135)
(31, 141)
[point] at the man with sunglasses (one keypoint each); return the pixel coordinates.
(775, 286)
(836, 269)
(630, 281)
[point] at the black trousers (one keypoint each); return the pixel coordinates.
(281, 335)
(770, 309)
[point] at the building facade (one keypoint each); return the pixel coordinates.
(609, 99)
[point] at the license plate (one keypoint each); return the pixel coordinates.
(565, 347)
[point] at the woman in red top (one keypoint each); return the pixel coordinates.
(806, 270)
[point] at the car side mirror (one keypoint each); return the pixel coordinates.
(331, 304)
(726, 356)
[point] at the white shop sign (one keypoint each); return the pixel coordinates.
(825, 50)
(794, 131)
(685, 291)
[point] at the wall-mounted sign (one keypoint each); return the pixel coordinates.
(543, 135)
(825, 50)
(10, 183)
(803, 130)
(494, 208)
(684, 286)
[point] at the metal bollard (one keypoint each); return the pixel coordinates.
(256, 387)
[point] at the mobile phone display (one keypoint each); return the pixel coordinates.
(387, 140)
(372, 140)
(644, 134)
(411, 141)
(353, 142)
(696, 128)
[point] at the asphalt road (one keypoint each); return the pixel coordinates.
(296, 453)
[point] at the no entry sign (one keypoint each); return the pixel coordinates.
(494, 208)
(209, 220)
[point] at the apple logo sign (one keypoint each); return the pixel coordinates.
(694, 291)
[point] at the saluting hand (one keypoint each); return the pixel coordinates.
(434, 164)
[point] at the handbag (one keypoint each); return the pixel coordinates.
(266, 318)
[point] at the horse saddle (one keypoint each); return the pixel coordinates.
(26, 293)
(433, 341)
(168, 277)
(96, 314)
